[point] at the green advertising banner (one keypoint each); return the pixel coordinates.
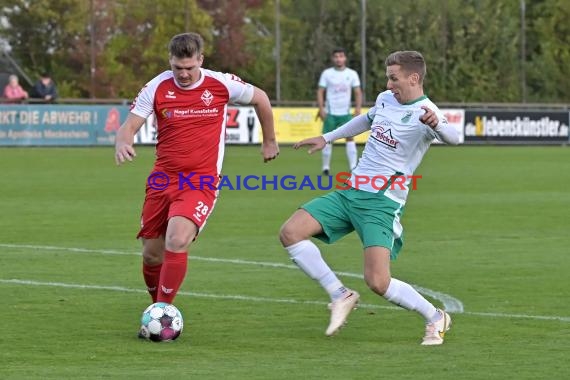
(23, 124)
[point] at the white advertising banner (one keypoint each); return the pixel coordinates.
(242, 127)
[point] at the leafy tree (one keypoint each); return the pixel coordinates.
(260, 46)
(42, 34)
(136, 45)
(131, 41)
(549, 52)
(310, 31)
(469, 46)
(472, 47)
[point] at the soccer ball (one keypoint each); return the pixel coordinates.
(161, 322)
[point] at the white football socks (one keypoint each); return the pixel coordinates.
(351, 154)
(308, 257)
(327, 153)
(406, 296)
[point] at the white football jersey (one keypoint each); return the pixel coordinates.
(338, 85)
(397, 143)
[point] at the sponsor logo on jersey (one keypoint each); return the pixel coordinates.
(166, 113)
(170, 95)
(190, 112)
(207, 97)
(385, 137)
(340, 88)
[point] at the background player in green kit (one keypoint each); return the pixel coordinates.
(403, 123)
(334, 94)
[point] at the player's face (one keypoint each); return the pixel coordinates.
(339, 60)
(186, 70)
(400, 83)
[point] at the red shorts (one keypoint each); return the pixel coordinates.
(161, 205)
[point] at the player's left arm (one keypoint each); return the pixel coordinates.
(357, 101)
(246, 93)
(269, 147)
(443, 131)
(357, 90)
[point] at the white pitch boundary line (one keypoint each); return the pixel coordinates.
(184, 293)
(258, 299)
(450, 304)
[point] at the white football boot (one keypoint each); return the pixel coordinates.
(340, 310)
(436, 331)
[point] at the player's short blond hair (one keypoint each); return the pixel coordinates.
(186, 45)
(410, 61)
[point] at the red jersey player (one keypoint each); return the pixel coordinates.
(190, 104)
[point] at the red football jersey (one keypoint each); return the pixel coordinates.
(191, 123)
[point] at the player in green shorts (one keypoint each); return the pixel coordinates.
(336, 85)
(402, 123)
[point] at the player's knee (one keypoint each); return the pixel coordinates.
(288, 234)
(152, 257)
(378, 284)
(177, 242)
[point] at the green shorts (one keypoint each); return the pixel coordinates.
(374, 216)
(332, 122)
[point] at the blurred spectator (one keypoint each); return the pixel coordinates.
(13, 91)
(45, 89)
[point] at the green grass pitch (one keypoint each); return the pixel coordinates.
(487, 226)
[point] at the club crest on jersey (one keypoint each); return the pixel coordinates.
(170, 95)
(407, 116)
(207, 97)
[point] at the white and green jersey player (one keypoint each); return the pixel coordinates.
(397, 143)
(334, 95)
(403, 123)
(338, 85)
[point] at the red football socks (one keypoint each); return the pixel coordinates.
(172, 275)
(151, 274)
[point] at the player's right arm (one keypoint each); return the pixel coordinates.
(124, 150)
(321, 95)
(141, 109)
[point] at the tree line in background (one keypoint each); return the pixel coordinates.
(472, 47)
